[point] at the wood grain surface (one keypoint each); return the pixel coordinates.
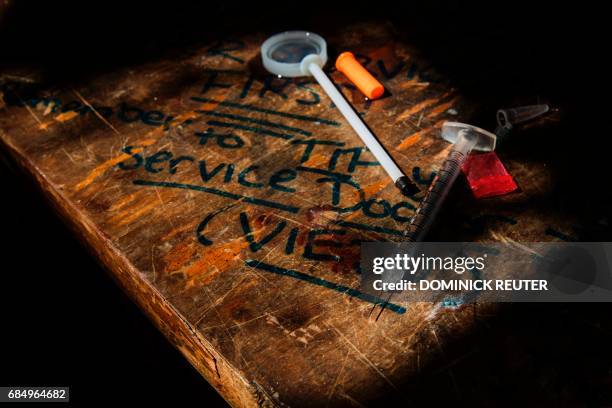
(230, 205)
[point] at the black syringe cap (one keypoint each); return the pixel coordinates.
(406, 186)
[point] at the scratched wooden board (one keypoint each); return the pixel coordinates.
(230, 206)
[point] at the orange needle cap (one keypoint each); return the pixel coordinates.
(358, 75)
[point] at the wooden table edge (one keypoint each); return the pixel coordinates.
(237, 390)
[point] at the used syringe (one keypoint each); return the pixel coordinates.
(465, 138)
(301, 53)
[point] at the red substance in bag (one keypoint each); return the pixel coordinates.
(487, 176)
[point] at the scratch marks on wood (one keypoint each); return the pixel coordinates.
(362, 356)
(100, 169)
(33, 115)
(86, 102)
(417, 136)
(441, 108)
(326, 284)
(417, 108)
(302, 335)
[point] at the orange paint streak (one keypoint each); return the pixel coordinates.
(66, 116)
(122, 201)
(415, 137)
(352, 215)
(209, 106)
(442, 153)
(183, 117)
(315, 160)
(220, 97)
(376, 187)
(441, 108)
(176, 231)
(216, 260)
(413, 83)
(417, 108)
(179, 256)
(438, 124)
(410, 140)
(98, 171)
(133, 214)
(44, 125)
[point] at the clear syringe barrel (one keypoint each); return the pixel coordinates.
(440, 187)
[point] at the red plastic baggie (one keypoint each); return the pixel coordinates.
(487, 176)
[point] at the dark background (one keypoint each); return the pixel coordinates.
(66, 323)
